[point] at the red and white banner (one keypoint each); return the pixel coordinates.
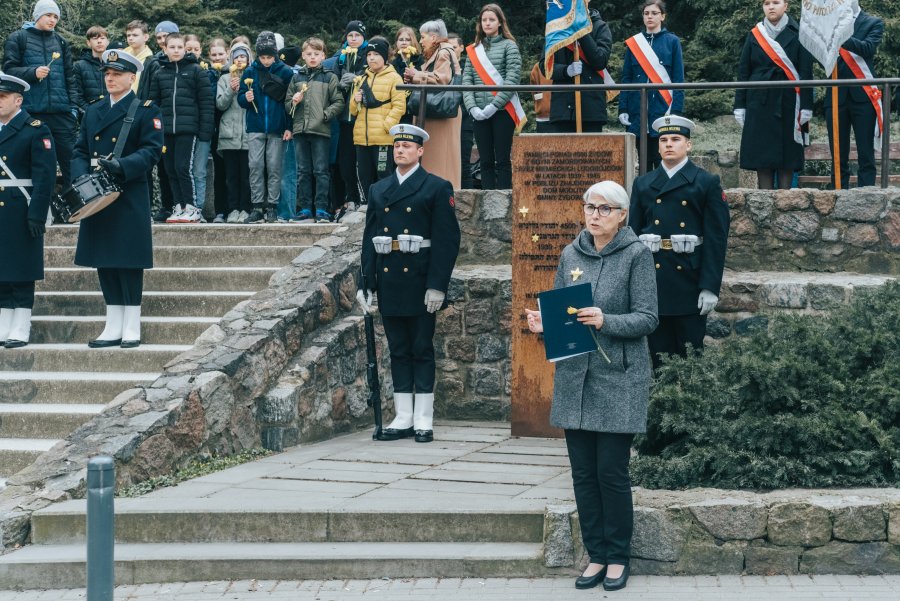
(490, 76)
(861, 70)
(776, 52)
(650, 64)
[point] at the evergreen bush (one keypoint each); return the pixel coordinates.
(810, 402)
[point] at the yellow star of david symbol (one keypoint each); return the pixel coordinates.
(535, 237)
(524, 211)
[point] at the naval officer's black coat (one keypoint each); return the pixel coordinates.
(27, 148)
(691, 202)
(119, 236)
(423, 205)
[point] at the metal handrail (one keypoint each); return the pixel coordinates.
(886, 83)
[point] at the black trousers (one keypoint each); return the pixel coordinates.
(411, 345)
(568, 127)
(347, 165)
(219, 188)
(674, 333)
(861, 116)
(121, 286)
(16, 295)
(62, 126)
(372, 164)
(494, 138)
(165, 190)
(603, 493)
(466, 141)
(179, 160)
(237, 181)
(543, 127)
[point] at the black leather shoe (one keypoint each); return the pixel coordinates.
(424, 435)
(614, 584)
(14, 343)
(396, 433)
(583, 582)
(130, 343)
(104, 343)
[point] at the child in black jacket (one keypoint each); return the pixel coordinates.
(89, 84)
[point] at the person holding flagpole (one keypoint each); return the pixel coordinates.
(775, 120)
(494, 59)
(651, 56)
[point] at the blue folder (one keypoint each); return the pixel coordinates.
(564, 335)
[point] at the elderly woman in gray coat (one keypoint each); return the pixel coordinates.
(601, 405)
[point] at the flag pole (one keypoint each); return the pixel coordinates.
(577, 95)
(836, 144)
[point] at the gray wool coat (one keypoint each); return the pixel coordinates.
(589, 393)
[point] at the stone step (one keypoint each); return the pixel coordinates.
(197, 520)
(44, 420)
(50, 566)
(195, 256)
(72, 387)
(78, 357)
(80, 279)
(155, 304)
(51, 329)
(18, 453)
(213, 234)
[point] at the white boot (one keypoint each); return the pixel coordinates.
(112, 333)
(20, 331)
(131, 327)
(424, 411)
(6, 316)
(403, 405)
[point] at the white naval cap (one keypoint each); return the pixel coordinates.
(674, 124)
(8, 83)
(121, 61)
(404, 131)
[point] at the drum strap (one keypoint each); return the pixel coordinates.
(126, 128)
(18, 183)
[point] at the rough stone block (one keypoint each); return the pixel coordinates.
(862, 235)
(890, 230)
(731, 519)
(486, 381)
(703, 557)
(893, 512)
(859, 521)
(823, 201)
(785, 295)
(659, 534)
(851, 558)
(771, 561)
(825, 296)
(461, 349)
(279, 406)
(718, 328)
(735, 198)
(791, 200)
(799, 523)
(480, 317)
(495, 204)
(856, 205)
(743, 226)
(482, 287)
(745, 327)
(456, 291)
(831, 234)
(491, 348)
(796, 226)
(760, 205)
(559, 547)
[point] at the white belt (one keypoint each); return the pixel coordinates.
(20, 186)
(15, 183)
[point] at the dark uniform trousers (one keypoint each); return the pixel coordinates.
(422, 205)
(121, 286)
(690, 202)
(16, 295)
(861, 117)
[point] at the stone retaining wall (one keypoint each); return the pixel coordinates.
(708, 531)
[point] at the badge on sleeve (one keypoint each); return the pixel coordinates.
(48, 145)
(157, 124)
(452, 202)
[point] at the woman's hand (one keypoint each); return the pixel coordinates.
(592, 316)
(409, 74)
(535, 324)
(358, 97)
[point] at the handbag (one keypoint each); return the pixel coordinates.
(438, 105)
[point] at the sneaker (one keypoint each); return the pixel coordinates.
(323, 216)
(234, 217)
(176, 215)
(351, 206)
(220, 218)
(283, 220)
(270, 215)
(162, 215)
(191, 214)
(304, 216)
(242, 217)
(255, 217)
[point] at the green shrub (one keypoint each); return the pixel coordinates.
(811, 402)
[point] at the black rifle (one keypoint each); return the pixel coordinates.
(374, 400)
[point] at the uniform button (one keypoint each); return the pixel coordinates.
(405, 231)
(678, 268)
(684, 203)
(659, 201)
(4, 158)
(95, 154)
(681, 224)
(387, 209)
(385, 269)
(113, 139)
(2, 189)
(2, 204)
(409, 209)
(96, 137)
(656, 221)
(3, 173)
(385, 229)
(657, 265)
(405, 269)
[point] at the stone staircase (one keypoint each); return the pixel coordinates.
(56, 383)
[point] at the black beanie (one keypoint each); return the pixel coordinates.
(379, 45)
(290, 55)
(356, 26)
(266, 45)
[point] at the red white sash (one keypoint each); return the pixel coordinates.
(775, 52)
(650, 64)
(490, 76)
(861, 70)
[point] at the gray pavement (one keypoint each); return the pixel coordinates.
(692, 588)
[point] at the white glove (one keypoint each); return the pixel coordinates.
(433, 300)
(574, 69)
(367, 301)
(489, 111)
(477, 114)
(707, 302)
(805, 116)
(624, 119)
(739, 115)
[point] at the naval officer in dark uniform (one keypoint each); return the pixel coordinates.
(679, 212)
(117, 240)
(27, 177)
(410, 246)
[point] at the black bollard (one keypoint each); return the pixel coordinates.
(101, 528)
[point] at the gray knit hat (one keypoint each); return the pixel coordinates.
(45, 7)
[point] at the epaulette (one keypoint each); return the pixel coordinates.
(35, 123)
(148, 103)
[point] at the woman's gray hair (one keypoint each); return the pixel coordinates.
(611, 192)
(436, 26)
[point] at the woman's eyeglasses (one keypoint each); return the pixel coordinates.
(604, 210)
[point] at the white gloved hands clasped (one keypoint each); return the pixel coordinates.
(367, 301)
(624, 119)
(805, 116)
(433, 300)
(707, 302)
(489, 111)
(477, 113)
(740, 115)
(574, 69)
